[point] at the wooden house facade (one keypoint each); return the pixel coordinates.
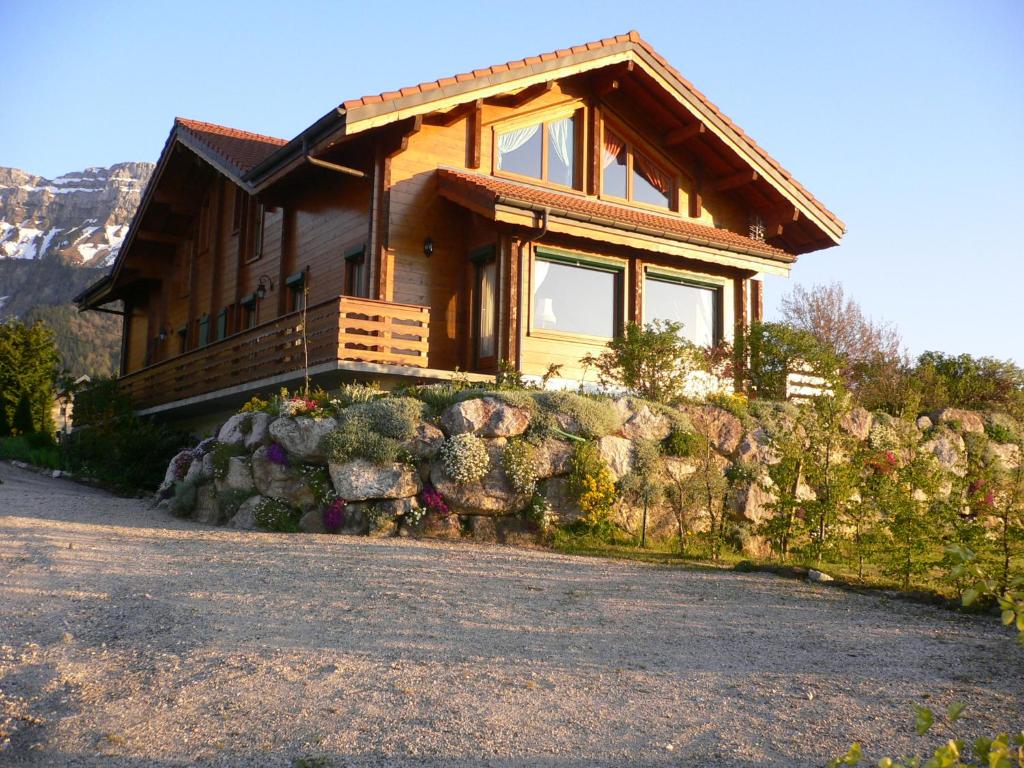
(523, 213)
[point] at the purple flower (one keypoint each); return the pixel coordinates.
(334, 515)
(204, 447)
(276, 455)
(433, 500)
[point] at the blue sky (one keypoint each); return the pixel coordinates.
(905, 118)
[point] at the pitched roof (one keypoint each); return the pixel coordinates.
(631, 37)
(240, 149)
(454, 183)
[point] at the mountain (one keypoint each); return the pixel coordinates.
(56, 237)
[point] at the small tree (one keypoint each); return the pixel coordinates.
(652, 361)
(24, 424)
(705, 490)
(776, 349)
(644, 484)
(5, 423)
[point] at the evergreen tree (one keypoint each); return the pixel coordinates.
(23, 421)
(5, 423)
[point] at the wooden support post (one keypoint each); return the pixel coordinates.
(475, 128)
(596, 151)
(756, 300)
(635, 310)
(214, 216)
(696, 194)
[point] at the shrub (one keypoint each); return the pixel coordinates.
(318, 480)
(276, 454)
(394, 417)
(355, 438)
(433, 501)
(437, 397)
(222, 455)
(127, 454)
(653, 361)
(183, 499)
(465, 458)
(538, 511)
(591, 417)
(23, 422)
(276, 516)
(520, 463)
(591, 482)
(356, 392)
(37, 449)
(257, 404)
(1002, 429)
(335, 514)
(776, 349)
(681, 444)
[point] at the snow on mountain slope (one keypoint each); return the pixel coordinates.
(80, 218)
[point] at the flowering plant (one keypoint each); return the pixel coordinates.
(465, 458)
(334, 514)
(277, 455)
(882, 463)
(181, 464)
(433, 501)
(980, 494)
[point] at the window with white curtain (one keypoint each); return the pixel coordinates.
(631, 175)
(541, 151)
(694, 305)
(575, 297)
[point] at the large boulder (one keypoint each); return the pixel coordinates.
(552, 457)
(485, 416)
(967, 421)
(359, 480)
(564, 508)
(493, 494)
(235, 430)
(646, 424)
(724, 430)
(617, 453)
(237, 477)
(280, 482)
(259, 430)
(313, 522)
(301, 436)
(176, 470)
(756, 448)
(751, 501)
(501, 530)
(857, 422)
(949, 450)
(425, 442)
(245, 518)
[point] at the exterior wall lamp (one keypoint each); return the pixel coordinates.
(428, 247)
(265, 284)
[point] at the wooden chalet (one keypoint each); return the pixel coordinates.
(523, 212)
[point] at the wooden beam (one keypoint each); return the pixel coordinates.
(335, 167)
(596, 150)
(684, 134)
(452, 116)
(524, 96)
(475, 129)
(607, 87)
(734, 180)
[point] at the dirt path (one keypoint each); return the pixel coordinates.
(139, 640)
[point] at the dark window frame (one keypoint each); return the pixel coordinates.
(717, 289)
(617, 269)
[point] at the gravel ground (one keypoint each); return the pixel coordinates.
(129, 638)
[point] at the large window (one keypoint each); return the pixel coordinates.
(694, 305)
(575, 297)
(541, 151)
(631, 175)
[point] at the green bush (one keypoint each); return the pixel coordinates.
(776, 349)
(355, 438)
(36, 448)
(127, 454)
(228, 502)
(681, 444)
(394, 417)
(222, 454)
(1002, 429)
(591, 483)
(591, 417)
(276, 516)
(183, 498)
(350, 394)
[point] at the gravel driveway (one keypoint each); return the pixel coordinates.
(129, 638)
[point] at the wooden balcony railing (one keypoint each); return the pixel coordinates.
(342, 329)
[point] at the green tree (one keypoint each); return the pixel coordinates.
(24, 423)
(644, 485)
(777, 349)
(28, 365)
(5, 423)
(652, 361)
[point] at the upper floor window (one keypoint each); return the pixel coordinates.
(631, 175)
(545, 151)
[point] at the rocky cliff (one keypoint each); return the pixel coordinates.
(79, 218)
(58, 236)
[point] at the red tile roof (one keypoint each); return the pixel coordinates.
(630, 37)
(511, 192)
(241, 149)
